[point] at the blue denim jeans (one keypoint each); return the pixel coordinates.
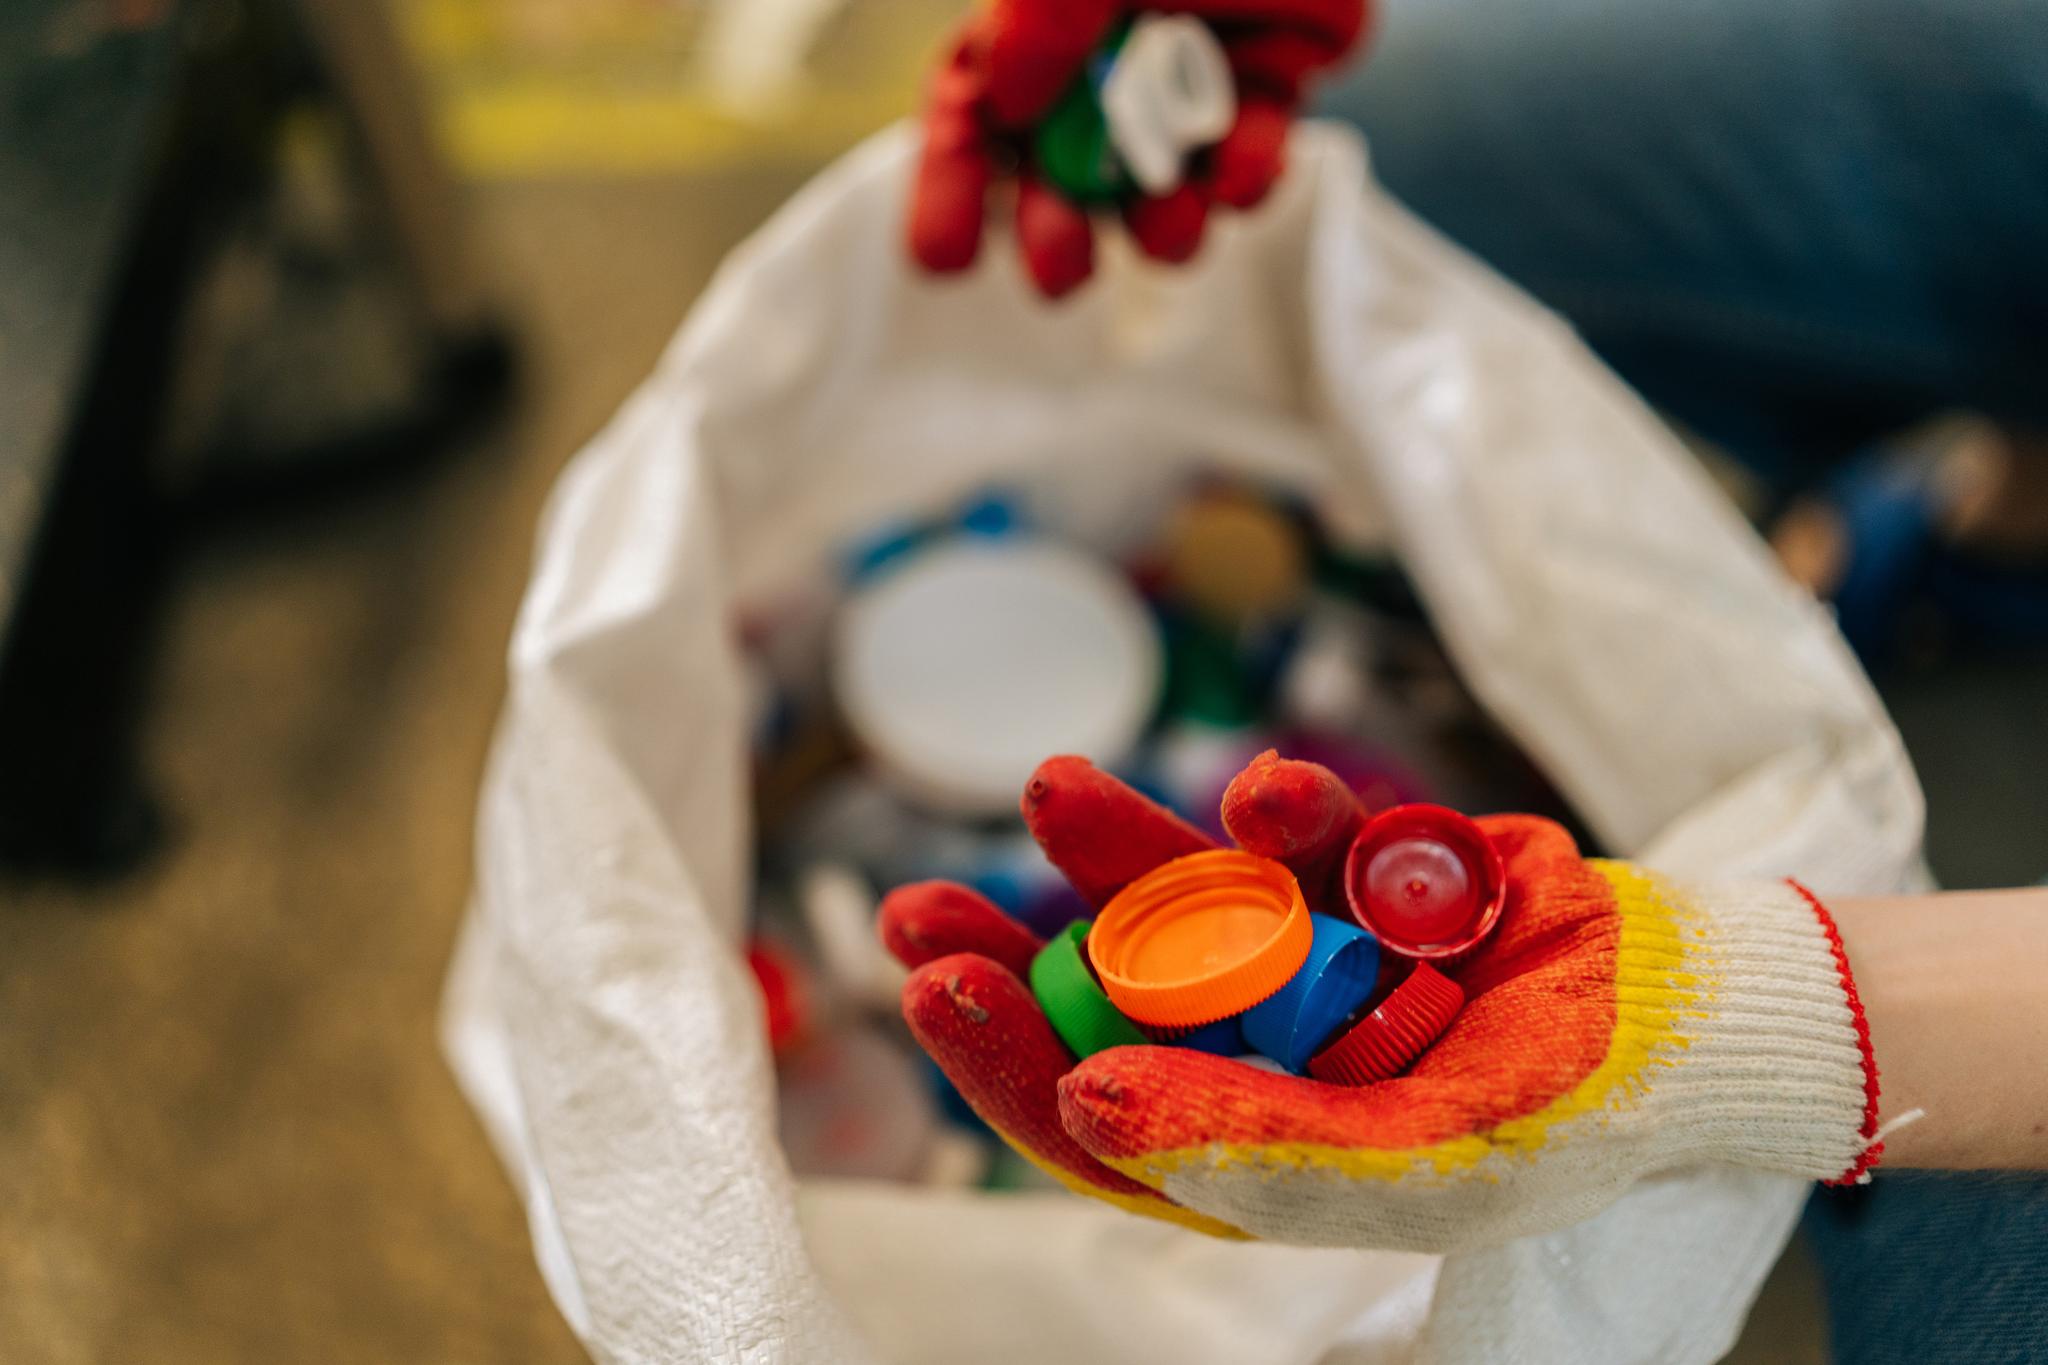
(1923, 1268)
(1793, 224)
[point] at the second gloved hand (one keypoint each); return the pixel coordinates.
(1013, 59)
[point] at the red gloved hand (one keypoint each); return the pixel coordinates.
(966, 999)
(1617, 1024)
(1011, 62)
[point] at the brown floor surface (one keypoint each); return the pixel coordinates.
(226, 1134)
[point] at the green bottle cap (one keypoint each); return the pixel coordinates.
(1206, 680)
(1073, 1001)
(1072, 145)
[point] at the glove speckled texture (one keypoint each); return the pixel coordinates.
(1617, 1025)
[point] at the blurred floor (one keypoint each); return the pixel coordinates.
(226, 1134)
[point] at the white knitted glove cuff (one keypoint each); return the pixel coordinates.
(1775, 1069)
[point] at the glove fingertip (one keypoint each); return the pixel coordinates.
(1035, 51)
(1281, 807)
(943, 245)
(1055, 238)
(961, 990)
(1127, 1102)
(947, 209)
(1252, 156)
(985, 1030)
(922, 921)
(1169, 227)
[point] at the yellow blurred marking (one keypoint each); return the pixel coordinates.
(609, 87)
(539, 127)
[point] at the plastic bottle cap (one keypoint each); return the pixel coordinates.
(1343, 963)
(839, 910)
(1207, 681)
(1233, 557)
(1072, 143)
(962, 669)
(1201, 938)
(1076, 1007)
(787, 1002)
(1425, 881)
(1169, 92)
(1223, 1038)
(1381, 1045)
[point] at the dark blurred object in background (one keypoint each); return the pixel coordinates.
(234, 276)
(1805, 231)
(1811, 233)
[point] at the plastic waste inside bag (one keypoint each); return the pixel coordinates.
(917, 688)
(1599, 599)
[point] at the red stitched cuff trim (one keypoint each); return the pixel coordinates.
(1872, 1150)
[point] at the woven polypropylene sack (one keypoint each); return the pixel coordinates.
(1596, 592)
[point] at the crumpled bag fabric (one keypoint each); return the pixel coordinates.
(1600, 597)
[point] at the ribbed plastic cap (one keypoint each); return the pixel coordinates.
(1425, 881)
(1384, 1043)
(1343, 962)
(1075, 1006)
(1201, 938)
(1223, 1038)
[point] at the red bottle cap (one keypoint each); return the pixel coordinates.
(1425, 881)
(1381, 1045)
(783, 992)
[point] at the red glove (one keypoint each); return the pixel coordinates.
(966, 1000)
(1617, 1024)
(1012, 60)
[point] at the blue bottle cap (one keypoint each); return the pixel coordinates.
(1343, 963)
(865, 558)
(993, 515)
(1222, 1038)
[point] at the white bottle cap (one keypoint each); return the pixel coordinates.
(964, 669)
(1168, 93)
(839, 909)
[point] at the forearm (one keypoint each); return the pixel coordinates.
(1955, 987)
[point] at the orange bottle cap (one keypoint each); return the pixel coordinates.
(1201, 938)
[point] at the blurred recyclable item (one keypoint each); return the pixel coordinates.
(852, 1103)
(839, 910)
(785, 994)
(1329, 347)
(1188, 763)
(1157, 91)
(963, 667)
(1233, 557)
